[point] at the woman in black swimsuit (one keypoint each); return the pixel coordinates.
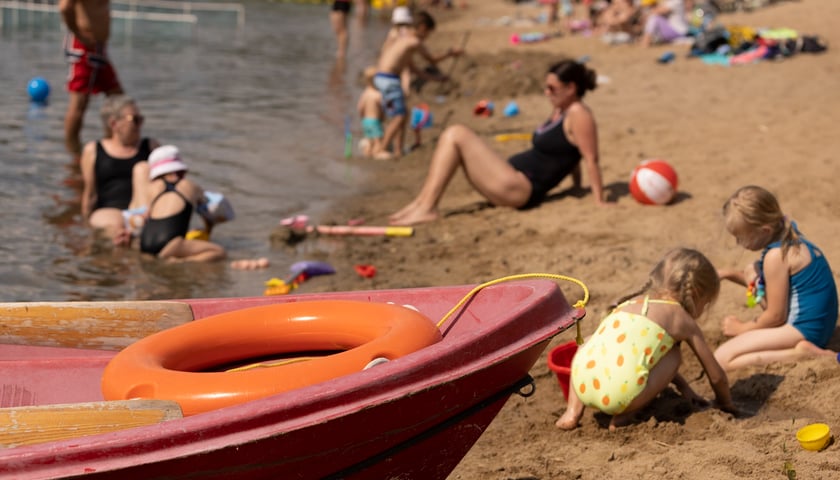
(174, 198)
(558, 146)
(114, 166)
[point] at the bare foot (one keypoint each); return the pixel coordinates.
(383, 155)
(403, 211)
(414, 217)
(620, 420)
(808, 349)
(569, 420)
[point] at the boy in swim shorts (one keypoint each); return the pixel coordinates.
(396, 56)
(371, 112)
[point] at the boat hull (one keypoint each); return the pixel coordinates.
(414, 417)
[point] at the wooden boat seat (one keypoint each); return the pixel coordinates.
(48, 423)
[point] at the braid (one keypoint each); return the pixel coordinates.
(642, 290)
(687, 289)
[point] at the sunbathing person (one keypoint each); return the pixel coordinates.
(522, 181)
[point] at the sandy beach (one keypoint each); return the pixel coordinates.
(769, 123)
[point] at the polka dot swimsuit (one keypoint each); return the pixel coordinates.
(612, 368)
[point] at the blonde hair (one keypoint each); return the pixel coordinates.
(368, 74)
(686, 275)
(111, 108)
(754, 207)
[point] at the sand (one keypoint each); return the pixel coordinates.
(771, 124)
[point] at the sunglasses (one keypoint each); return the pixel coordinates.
(135, 119)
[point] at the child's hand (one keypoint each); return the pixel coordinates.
(731, 326)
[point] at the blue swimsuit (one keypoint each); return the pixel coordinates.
(812, 305)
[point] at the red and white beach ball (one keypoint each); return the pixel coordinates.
(653, 182)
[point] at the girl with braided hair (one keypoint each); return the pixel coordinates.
(634, 353)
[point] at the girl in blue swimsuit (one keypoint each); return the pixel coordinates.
(568, 137)
(800, 296)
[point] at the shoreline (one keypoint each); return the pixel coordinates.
(721, 128)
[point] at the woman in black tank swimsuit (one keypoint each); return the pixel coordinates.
(558, 146)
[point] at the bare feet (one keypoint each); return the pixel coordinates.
(569, 420)
(413, 216)
(808, 349)
(250, 264)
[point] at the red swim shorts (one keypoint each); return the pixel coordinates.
(90, 70)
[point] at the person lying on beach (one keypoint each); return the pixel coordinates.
(665, 22)
(173, 200)
(522, 181)
(396, 56)
(639, 344)
(792, 283)
(112, 168)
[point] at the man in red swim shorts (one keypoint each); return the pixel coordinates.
(89, 22)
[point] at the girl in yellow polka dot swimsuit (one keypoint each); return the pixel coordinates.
(634, 353)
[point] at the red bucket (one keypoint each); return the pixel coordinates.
(560, 361)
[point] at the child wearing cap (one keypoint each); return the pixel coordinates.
(173, 200)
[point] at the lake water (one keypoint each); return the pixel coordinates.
(258, 111)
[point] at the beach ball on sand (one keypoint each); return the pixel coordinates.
(653, 182)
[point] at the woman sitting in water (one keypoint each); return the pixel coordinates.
(569, 135)
(174, 198)
(114, 167)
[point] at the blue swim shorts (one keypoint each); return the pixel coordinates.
(372, 128)
(393, 99)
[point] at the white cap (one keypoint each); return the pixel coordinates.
(165, 159)
(401, 16)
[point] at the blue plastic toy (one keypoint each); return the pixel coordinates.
(39, 90)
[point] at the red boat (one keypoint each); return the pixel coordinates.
(414, 417)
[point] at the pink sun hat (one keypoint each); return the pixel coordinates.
(165, 159)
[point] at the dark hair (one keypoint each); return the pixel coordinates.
(425, 19)
(570, 71)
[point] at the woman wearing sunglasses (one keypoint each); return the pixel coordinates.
(522, 181)
(112, 168)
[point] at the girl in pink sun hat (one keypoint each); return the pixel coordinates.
(174, 198)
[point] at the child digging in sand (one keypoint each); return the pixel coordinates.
(792, 280)
(635, 352)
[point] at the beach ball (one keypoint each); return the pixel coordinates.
(38, 89)
(653, 182)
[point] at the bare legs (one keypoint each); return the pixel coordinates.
(767, 345)
(394, 130)
(662, 374)
(489, 173)
(339, 25)
(76, 107)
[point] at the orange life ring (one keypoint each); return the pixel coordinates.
(173, 364)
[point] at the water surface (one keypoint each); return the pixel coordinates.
(259, 112)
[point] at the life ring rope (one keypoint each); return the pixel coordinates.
(553, 276)
(579, 304)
